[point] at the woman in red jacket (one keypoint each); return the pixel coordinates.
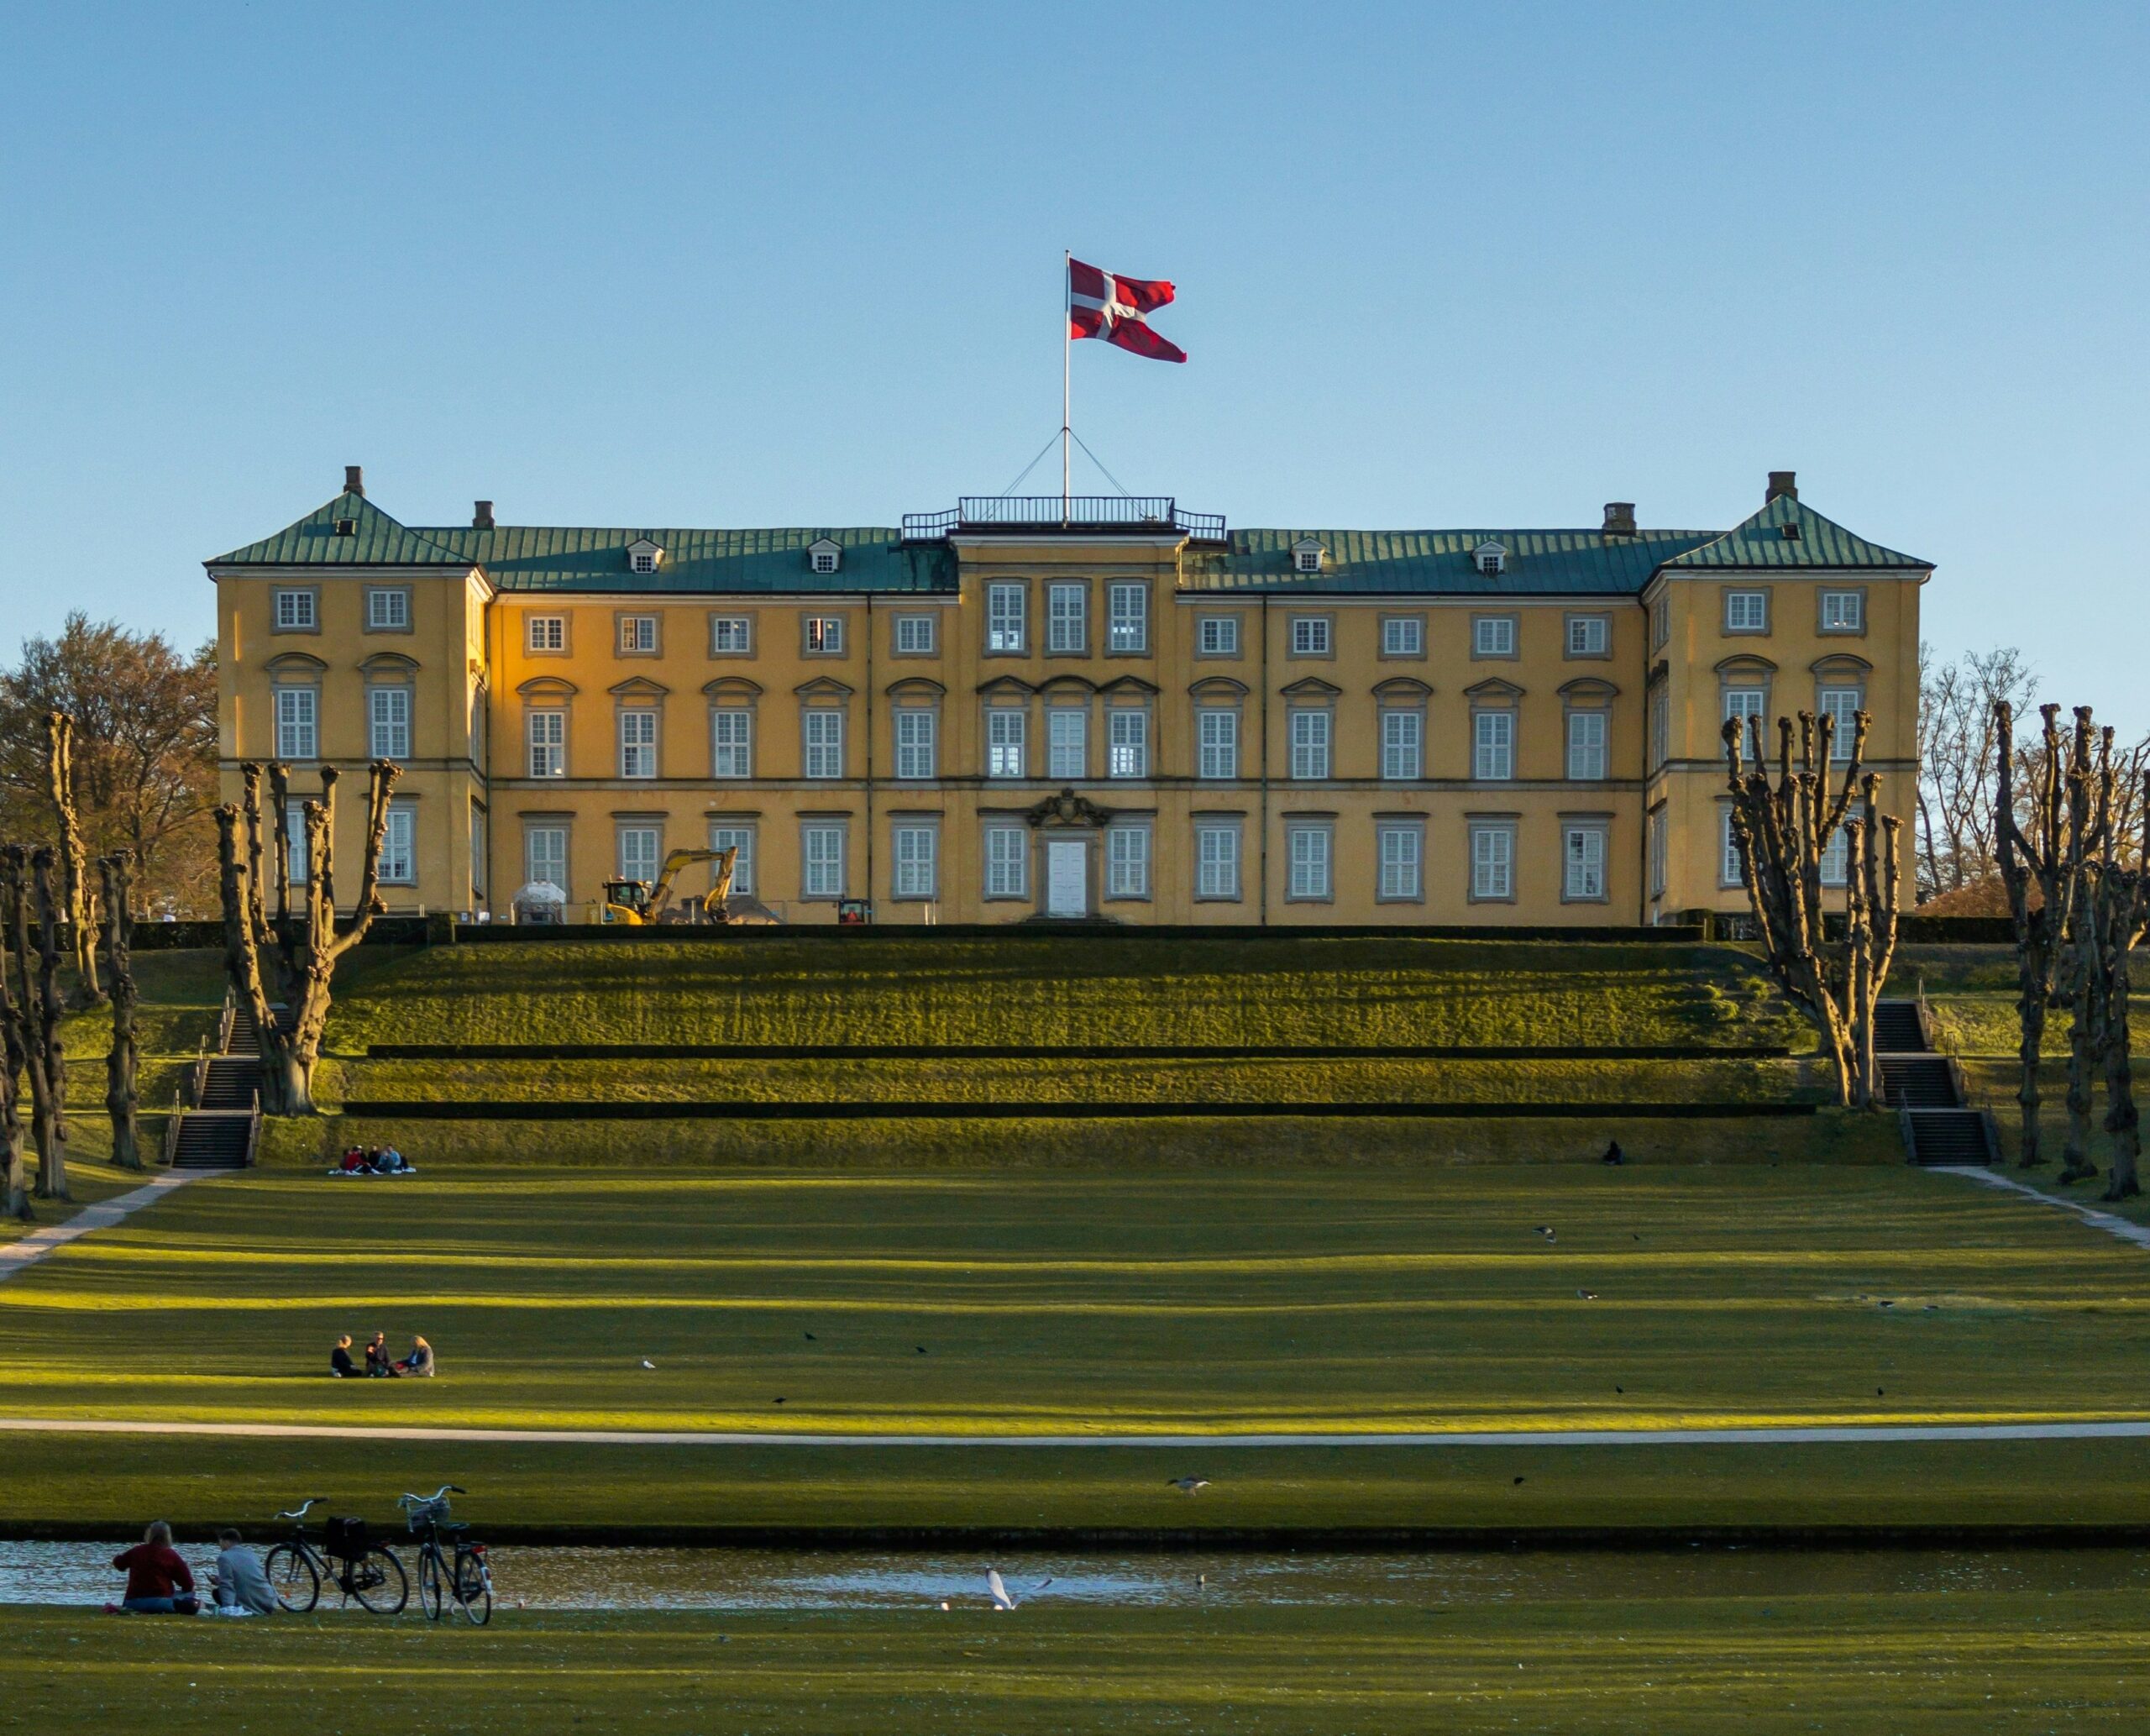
(159, 1581)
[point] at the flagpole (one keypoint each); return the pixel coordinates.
(1067, 347)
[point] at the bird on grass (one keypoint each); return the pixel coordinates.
(809, 1338)
(647, 1363)
(1588, 1295)
(999, 1588)
(1188, 1485)
(1546, 1230)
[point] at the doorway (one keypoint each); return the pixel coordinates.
(1066, 877)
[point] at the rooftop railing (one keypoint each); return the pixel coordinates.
(1041, 513)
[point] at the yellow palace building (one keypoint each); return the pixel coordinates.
(1105, 709)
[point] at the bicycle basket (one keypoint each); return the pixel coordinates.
(428, 1512)
(347, 1540)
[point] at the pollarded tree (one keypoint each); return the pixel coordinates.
(122, 1098)
(1781, 832)
(26, 892)
(2068, 826)
(78, 901)
(307, 949)
(14, 1185)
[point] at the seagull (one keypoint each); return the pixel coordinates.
(1588, 1295)
(1546, 1230)
(647, 1363)
(998, 1587)
(1188, 1485)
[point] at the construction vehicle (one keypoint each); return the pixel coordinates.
(638, 903)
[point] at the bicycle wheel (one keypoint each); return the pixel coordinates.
(474, 1590)
(294, 1578)
(377, 1580)
(431, 1589)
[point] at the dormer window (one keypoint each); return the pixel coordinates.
(1307, 555)
(347, 527)
(1491, 558)
(1790, 532)
(823, 555)
(643, 556)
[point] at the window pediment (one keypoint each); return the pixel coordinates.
(389, 666)
(639, 687)
(296, 665)
(1841, 663)
(1402, 689)
(1067, 680)
(1006, 686)
(916, 687)
(822, 687)
(1312, 687)
(1589, 690)
(1748, 664)
(1492, 691)
(1128, 684)
(548, 687)
(736, 687)
(1218, 687)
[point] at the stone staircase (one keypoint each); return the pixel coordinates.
(1939, 1128)
(222, 1125)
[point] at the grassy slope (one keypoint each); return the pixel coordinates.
(1338, 1298)
(1867, 1659)
(1026, 991)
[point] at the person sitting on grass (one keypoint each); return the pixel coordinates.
(420, 1362)
(353, 1163)
(379, 1363)
(390, 1162)
(340, 1366)
(159, 1580)
(239, 1582)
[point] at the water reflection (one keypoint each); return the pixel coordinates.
(860, 1579)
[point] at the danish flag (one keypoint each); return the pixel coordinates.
(1100, 305)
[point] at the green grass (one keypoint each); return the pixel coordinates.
(88, 1182)
(1027, 992)
(1867, 1657)
(1065, 1300)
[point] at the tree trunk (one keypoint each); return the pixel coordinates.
(28, 1024)
(121, 1098)
(77, 901)
(2121, 1121)
(15, 1186)
(51, 1009)
(2032, 1011)
(2075, 1164)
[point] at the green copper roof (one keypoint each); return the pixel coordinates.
(1818, 541)
(1581, 563)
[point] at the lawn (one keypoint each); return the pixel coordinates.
(1865, 1657)
(1066, 1299)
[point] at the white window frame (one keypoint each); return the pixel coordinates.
(1066, 743)
(545, 741)
(642, 561)
(1007, 741)
(1660, 725)
(637, 730)
(1403, 636)
(1127, 617)
(295, 840)
(298, 721)
(1660, 846)
(1403, 744)
(1127, 860)
(1067, 617)
(296, 610)
(1843, 701)
(1492, 745)
(1843, 612)
(732, 741)
(1007, 625)
(388, 722)
(822, 865)
(1400, 852)
(915, 851)
(545, 632)
(822, 742)
(1310, 734)
(1743, 700)
(822, 560)
(388, 609)
(823, 636)
(1309, 851)
(1727, 867)
(1589, 635)
(1746, 611)
(1217, 862)
(1589, 731)
(1217, 636)
(399, 846)
(917, 742)
(1217, 743)
(538, 863)
(1007, 861)
(1311, 635)
(739, 628)
(916, 635)
(1127, 748)
(637, 635)
(1492, 636)
(1582, 863)
(727, 835)
(1492, 862)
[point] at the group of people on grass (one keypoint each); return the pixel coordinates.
(381, 1364)
(373, 1161)
(160, 1582)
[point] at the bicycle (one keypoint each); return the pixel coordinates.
(365, 1569)
(469, 1579)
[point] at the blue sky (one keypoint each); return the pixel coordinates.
(1439, 265)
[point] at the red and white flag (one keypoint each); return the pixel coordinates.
(1100, 305)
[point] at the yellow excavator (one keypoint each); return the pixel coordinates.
(638, 903)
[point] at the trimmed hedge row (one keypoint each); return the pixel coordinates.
(1057, 1052)
(469, 1109)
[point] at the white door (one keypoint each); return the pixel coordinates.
(1067, 891)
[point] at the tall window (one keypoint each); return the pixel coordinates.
(1660, 725)
(1841, 706)
(1403, 636)
(638, 742)
(637, 634)
(1660, 623)
(1659, 852)
(297, 716)
(1403, 747)
(916, 868)
(915, 743)
(1582, 855)
(1588, 635)
(1307, 847)
(1744, 704)
(296, 613)
(732, 741)
(1127, 861)
(548, 734)
(823, 727)
(1066, 741)
(820, 862)
(1130, 727)
(1843, 612)
(1399, 848)
(914, 635)
(1128, 608)
(1493, 745)
(1836, 858)
(1586, 746)
(1067, 606)
(545, 856)
(639, 847)
(388, 721)
(1492, 862)
(1493, 636)
(1310, 730)
(388, 609)
(1310, 635)
(478, 851)
(742, 839)
(1004, 617)
(729, 636)
(1217, 635)
(1004, 741)
(1217, 743)
(1746, 611)
(1728, 848)
(546, 632)
(825, 635)
(1217, 862)
(295, 840)
(398, 856)
(1007, 861)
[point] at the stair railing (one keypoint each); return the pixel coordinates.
(254, 1129)
(171, 1128)
(1904, 1128)
(199, 1082)
(225, 1020)
(1992, 1138)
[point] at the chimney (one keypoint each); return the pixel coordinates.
(354, 480)
(1619, 518)
(1782, 482)
(481, 515)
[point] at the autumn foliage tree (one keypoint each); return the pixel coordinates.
(301, 951)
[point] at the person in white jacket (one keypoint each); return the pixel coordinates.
(238, 1581)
